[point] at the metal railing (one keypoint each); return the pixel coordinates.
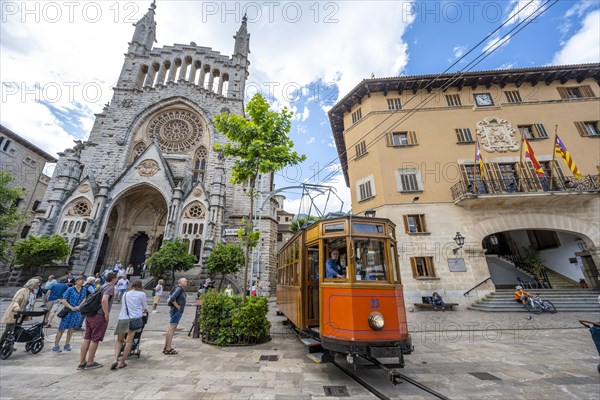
(587, 183)
(476, 286)
(521, 264)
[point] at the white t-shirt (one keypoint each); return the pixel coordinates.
(122, 284)
(136, 302)
(159, 290)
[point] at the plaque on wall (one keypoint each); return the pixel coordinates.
(457, 265)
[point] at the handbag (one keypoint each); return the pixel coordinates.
(63, 313)
(134, 323)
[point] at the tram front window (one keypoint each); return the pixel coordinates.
(370, 260)
(335, 266)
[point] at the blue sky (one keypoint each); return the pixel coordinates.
(58, 60)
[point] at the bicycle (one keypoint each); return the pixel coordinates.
(536, 305)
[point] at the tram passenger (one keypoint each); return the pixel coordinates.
(333, 268)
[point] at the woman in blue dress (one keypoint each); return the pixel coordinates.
(72, 298)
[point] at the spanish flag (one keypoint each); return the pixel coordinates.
(539, 171)
(561, 150)
(479, 161)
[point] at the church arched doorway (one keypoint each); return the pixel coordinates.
(136, 223)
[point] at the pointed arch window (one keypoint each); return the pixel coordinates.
(199, 169)
(138, 149)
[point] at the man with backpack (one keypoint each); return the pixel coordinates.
(176, 302)
(96, 323)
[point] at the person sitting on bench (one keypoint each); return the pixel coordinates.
(437, 301)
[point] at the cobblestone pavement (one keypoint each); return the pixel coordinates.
(546, 357)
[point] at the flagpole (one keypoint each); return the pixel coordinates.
(553, 156)
(520, 163)
(475, 167)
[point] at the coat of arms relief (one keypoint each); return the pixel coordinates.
(497, 135)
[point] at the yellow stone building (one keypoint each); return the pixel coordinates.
(407, 146)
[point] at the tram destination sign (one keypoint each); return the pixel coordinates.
(457, 265)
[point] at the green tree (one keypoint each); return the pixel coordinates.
(172, 256)
(225, 259)
(298, 223)
(261, 145)
(10, 217)
(40, 251)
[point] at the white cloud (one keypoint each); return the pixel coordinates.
(583, 46)
(311, 140)
(301, 117)
(580, 8)
(458, 51)
(495, 43)
(522, 9)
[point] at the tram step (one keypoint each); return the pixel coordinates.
(320, 358)
(310, 342)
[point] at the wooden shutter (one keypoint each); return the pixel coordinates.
(412, 138)
(389, 139)
(533, 183)
(541, 131)
(558, 174)
(563, 92)
(413, 265)
(586, 91)
(405, 218)
(497, 183)
(582, 129)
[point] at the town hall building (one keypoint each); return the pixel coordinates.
(148, 171)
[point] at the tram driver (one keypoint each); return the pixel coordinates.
(333, 268)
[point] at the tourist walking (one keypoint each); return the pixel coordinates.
(51, 282)
(122, 287)
(177, 303)
(72, 298)
(95, 326)
(133, 306)
(18, 303)
(57, 292)
(158, 292)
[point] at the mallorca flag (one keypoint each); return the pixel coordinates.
(561, 150)
(479, 161)
(539, 171)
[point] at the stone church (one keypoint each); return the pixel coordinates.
(148, 171)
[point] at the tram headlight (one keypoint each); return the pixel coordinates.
(376, 321)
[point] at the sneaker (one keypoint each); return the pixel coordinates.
(56, 349)
(93, 365)
(154, 311)
(68, 347)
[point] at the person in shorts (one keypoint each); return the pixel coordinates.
(54, 303)
(177, 304)
(158, 291)
(95, 326)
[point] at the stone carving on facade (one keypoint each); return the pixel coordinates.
(148, 168)
(127, 103)
(176, 130)
(84, 188)
(497, 135)
(197, 192)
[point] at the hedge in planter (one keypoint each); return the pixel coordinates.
(224, 320)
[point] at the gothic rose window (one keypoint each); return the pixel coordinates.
(195, 211)
(176, 130)
(80, 209)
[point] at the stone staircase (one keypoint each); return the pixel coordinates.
(503, 300)
(559, 281)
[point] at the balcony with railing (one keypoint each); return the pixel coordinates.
(515, 190)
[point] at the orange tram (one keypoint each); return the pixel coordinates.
(338, 281)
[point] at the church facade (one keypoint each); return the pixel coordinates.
(148, 171)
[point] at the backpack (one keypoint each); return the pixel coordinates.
(91, 304)
(172, 299)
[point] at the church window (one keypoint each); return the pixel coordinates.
(64, 227)
(195, 229)
(199, 169)
(184, 228)
(138, 149)
(77, 226)
(176, 130)
(197, 248)
(70, 230)
(196, 211)
(81, 208)
(83, 226)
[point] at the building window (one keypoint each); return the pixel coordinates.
(464, 135)
(402, 139)
(199, 170)
(422, 267)
(414, 223)
(280, 237)
(588, 128)
(356, 116)
(36, 205)
(6, 144)
(453, 100)
(575, 92)
(361, 149)
(409, 180)
(365, 191)
(25, 231)
(513, 96)
(533, 131)
(394, 104)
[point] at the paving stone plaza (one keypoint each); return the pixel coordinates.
(461, 355)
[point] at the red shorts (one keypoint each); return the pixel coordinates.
(95, 328)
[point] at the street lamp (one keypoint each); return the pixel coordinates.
(460, 241)
(370, 213)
